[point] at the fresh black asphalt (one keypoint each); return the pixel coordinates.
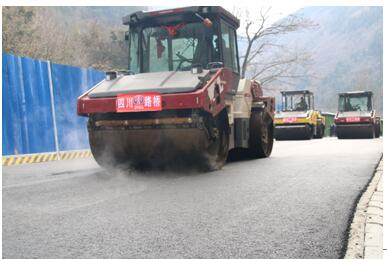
(295, 204)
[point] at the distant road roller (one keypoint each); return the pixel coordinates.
(182, 100)
(356, 117)
(298, 119)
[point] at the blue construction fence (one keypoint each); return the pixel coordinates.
(28, 125)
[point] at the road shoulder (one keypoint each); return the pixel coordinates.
(366, 230)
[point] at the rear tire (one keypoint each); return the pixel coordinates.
(261, 134)
(372, 133)
(309, 132)
(377, 130)
(320, 131)
(215, 155)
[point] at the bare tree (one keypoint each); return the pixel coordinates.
(18, 29)
(282, 67)
(40, 33)
(265, 57)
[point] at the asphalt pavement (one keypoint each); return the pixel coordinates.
(295, 204)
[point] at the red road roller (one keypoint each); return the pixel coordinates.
(182, 101)
(356, 117)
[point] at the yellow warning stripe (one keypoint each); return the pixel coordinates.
(28, 159)
(74, 155)
(86, 154)
(18, 160)
(45, 158)
(10, 161)
(65, 156)
(38, 158)
(25, 159)
(32, 159)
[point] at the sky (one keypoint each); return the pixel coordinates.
(279, 8)
(278, 11)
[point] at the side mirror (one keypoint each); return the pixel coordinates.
(126, 35)
(207, 23)
(214, 66)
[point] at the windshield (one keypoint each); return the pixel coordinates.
(355, 103)
(177, 47)
(295, 102)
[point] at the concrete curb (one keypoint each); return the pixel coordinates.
(366, 233)
(44, 157)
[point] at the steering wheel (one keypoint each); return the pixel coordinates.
(182, 58)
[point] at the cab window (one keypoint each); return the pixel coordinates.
(133, 52)
(230, 58)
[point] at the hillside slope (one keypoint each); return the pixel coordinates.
(110, 15)
(347, 53)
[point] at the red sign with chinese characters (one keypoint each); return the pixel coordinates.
(138, 102)
(352, 119)
(289, 120)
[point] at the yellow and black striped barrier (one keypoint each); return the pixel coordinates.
(44, 157)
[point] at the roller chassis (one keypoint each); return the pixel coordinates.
(300, 130)
(368, 126)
